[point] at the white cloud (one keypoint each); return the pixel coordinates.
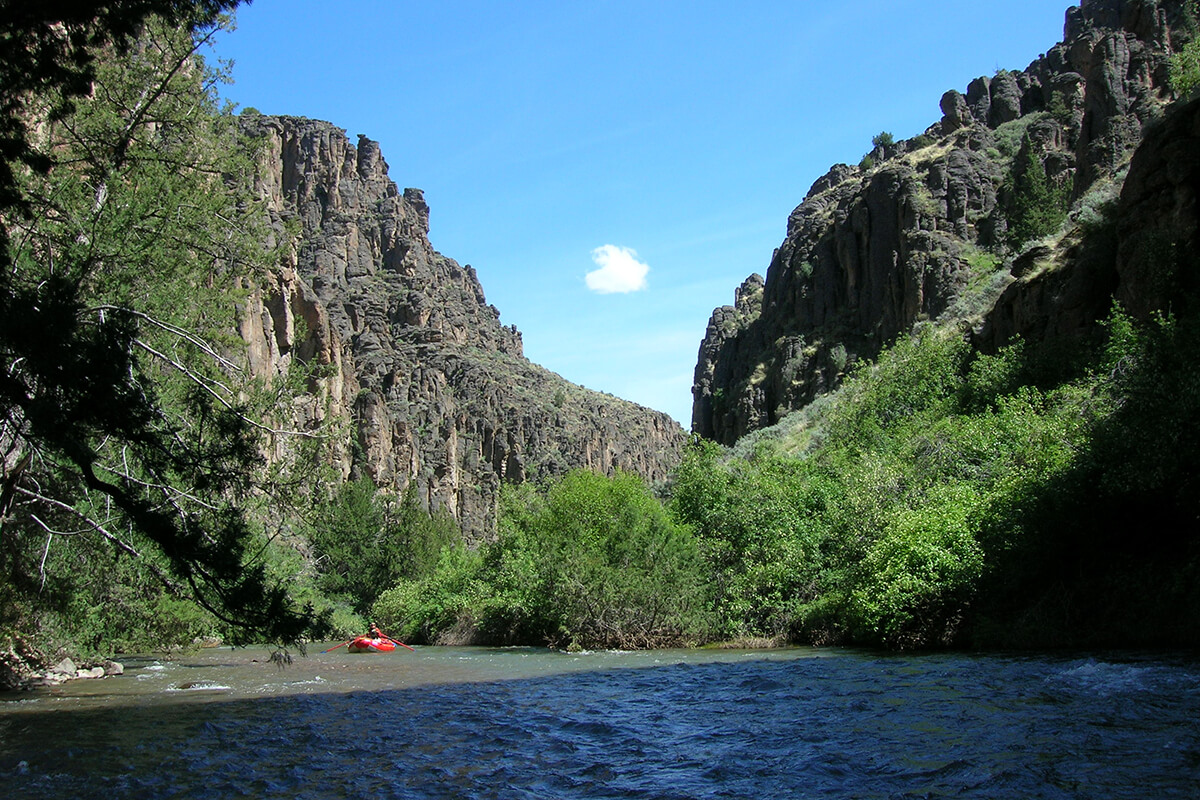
(620, 271)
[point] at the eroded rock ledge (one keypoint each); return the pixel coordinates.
(919, 230)
(435, 392)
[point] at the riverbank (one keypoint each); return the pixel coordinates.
(22, 668)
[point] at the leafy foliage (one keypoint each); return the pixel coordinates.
(594, 562)
(121, 417)
(365, 541)
(1185, 64)
(883, 139)
(755, 525)
(960, 497)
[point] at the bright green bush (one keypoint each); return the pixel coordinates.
(759, 524)
(918, 378)
(592, 562)
(436, 607)
(1185, 64)
(610, 567)
(919, 576)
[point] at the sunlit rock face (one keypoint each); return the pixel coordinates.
(432, 390)
(920, 229)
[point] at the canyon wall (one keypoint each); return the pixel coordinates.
(927, 229)
(429, 388)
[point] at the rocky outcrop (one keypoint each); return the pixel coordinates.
(435, 392)
(1158, 219)
(23, 667)
(924, 229)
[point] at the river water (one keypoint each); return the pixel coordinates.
(527, 723)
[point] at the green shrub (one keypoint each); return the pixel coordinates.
(428, 609)
(610, 567)
(919, 576)
(593, 562)
(1185, 68)
(758, 524)
(1010, 135)
(917, 377)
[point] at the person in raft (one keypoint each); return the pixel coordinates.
(376, 633)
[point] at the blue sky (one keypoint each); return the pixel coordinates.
(658, 145)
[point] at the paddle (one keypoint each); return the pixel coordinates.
(397, 641)
(336, 646)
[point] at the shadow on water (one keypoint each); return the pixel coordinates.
(849, 725)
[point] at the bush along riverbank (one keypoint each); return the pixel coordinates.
(1029, 498)
(944, 497)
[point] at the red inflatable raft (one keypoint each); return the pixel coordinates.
(365, 644)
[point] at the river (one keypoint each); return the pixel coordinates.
(528, 723)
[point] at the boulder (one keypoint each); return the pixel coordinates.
(955, 112)
(65, 667)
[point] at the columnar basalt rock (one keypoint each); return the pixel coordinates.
(874, 250)
(435, 392)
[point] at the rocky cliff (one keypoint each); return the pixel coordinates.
(433, 390)
(938, 227)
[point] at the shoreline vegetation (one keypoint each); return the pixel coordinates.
(1038, 497)
(943, 498)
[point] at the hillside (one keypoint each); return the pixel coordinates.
(1000, 214)
(436, 392)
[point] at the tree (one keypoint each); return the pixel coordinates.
(121, 415)
(594, 561)
(756, 523)
(1037, 207)
(1185, 64)
(48, 49)
(365, 542)
(601, 564)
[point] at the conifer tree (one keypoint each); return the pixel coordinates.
(120, 415)
(1037, 206)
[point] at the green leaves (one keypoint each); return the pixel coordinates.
(918, 576)
(593, 562)
(365, 541)
(1185, 64)
(612, 569)
(120, 397)
(948, 489)
(754, 522)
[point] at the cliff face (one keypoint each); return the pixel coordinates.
(927, 228)
(434, 390)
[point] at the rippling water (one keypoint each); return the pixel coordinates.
(479, 723)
